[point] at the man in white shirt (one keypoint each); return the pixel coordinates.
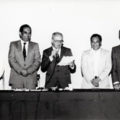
(96, 65)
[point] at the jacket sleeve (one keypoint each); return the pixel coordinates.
(37, 60)
(107, 67)
(72, 70)
(114, 72)
(45, 62)
(12, 60)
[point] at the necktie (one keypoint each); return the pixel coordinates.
(24, 51)
(57, 57)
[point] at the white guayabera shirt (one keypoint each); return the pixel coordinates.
(96, 58)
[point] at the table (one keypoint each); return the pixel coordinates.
(60, 105)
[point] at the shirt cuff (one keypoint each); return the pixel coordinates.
(72, 67)
(116, 83)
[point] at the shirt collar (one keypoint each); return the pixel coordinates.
(55, 48)
(22, 42)
(59, 52)
(95, 51)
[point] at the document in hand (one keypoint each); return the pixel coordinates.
(66, 60)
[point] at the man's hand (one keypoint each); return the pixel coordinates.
(24, 73)
(72, 64)
(53, 54)
(116, 86)
(95, 81)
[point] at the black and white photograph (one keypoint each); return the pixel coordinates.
(59, 59)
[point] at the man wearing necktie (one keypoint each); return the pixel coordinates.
(115, 72)
(24, 51)
(57, 76)
(96, 65)
(24, 60)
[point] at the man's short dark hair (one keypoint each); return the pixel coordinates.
(96, 35)
(57, 33)
(25, 26)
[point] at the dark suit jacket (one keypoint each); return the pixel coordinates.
(54, 72)
(115, 64)
(17, 63)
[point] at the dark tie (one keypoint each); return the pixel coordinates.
(24, 51)
(57, 58)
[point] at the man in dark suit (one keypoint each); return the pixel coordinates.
(57, 75)
(24, 59)
(116, 67)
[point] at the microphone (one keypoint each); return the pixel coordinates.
(57, 57)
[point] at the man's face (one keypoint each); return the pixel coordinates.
(26, 34)
(57, 41)
(95, 43)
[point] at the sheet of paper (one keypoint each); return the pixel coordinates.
(66, 60)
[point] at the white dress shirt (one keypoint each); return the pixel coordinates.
(26, 46)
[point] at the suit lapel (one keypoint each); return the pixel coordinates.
(30, 47)
(118, 51)
(50, 51)
(19, 47)
(62, 53)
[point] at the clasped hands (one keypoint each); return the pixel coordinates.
(95, 81)
(117, 86)
(24, 72)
